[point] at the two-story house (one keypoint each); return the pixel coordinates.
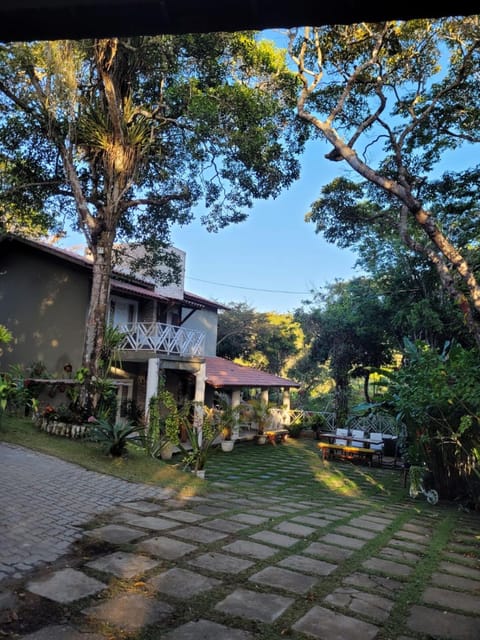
(44, 295)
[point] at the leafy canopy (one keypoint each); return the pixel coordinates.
(392, 99)
(123, 137)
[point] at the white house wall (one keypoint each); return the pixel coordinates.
(174, 290)
(133, 252)
(206, 321)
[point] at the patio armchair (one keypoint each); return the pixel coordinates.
(357, 433)
(376, 443)
(340, 431)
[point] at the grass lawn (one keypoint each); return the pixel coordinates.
(136, 467)
(293, 468)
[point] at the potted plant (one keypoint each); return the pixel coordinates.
(259, 412)
(227, 417)
(200, 437)
(317, 423)
(295, 430)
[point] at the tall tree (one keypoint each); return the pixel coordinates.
(390, 98)
(266, 341)
(420, 307)
(348, 328)
(236, 331)
(126, 135)
(22, 214)
(280, 340)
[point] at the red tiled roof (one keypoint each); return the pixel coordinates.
(225, 373)
(133, 289)
(192, 297)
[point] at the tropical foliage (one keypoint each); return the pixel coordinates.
(258, 412)
(347, 327)
(436, 394)
(114, 436)
(226, 415)
(267, 341)
(200, 438)
(165, 421)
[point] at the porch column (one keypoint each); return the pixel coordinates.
(264, 395)
(235, 400)
(286, 406)
(199, 396)
(236, 396)
(152, 381)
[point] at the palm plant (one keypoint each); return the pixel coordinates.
(168, 421)
(259, 413)
(200, 439)
(114, 435)
(227, 416)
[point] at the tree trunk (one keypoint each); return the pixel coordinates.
(97, 315)
(341, 401)
(366, 380)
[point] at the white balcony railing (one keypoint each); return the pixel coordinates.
(162, 338)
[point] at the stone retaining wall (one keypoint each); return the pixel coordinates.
(64, 429)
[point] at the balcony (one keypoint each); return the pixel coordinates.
(166, 339)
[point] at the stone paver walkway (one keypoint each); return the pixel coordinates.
(230, 567)
(45, 502)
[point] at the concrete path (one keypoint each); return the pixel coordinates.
(230, 565)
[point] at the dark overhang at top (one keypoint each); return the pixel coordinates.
(76, 19)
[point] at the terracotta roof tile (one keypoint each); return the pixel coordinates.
(225, 373)
(192, 297)
(132, 289)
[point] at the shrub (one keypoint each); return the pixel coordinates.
(115, 435)
(436, 394)
(317, 423)
(295, 430)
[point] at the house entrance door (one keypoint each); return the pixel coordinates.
(124, 398)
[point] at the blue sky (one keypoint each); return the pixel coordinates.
(273, 260)
(274, 252)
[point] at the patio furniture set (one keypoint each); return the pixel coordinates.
(354, 444)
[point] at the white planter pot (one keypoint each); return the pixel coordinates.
(166, 452)
(227, 445)
(261, 439)
(200, 473)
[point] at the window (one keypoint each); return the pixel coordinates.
(123, 311)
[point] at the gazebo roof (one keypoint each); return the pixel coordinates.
(223, 373)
